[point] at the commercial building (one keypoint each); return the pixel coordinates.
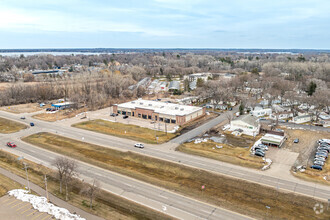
(63, 105)
(273, 140)
(246, 124)
(159, 111)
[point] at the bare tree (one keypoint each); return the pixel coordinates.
(91, 191)
(67, 169)
(229, 116)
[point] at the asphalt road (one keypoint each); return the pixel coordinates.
(163, 152)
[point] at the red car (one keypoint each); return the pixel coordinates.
(11, 144)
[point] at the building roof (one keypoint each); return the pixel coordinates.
(272, 138)
(248, 119)
(161, 107)
(174, 85)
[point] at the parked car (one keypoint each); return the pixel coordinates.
(319, 159)
(48, 109)
(324, 148)
(261, 148)
(296, 140)
(316, 167)
(139, 145)
(322, 151)
(321, 154)
(125, 116)
(23, 117)
(113, 114)
(259, 153)
(11, 144)
(31, 124)
(319, 163)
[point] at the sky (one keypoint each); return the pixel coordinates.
(280, 24)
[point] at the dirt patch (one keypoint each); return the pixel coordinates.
(234, 194)
(22, 108)
(58, 115)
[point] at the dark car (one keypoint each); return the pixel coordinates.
(125, 116)
(316, 167)
(113, 114)
(259, 154)
(48, 109)
(31, 124)
(296, 140)
(23, 117)
(11, 144)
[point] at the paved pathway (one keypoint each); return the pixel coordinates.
(53, 199)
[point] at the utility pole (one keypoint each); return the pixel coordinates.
(27, 176)
(46, 187)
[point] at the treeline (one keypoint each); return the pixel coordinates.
(92, 89)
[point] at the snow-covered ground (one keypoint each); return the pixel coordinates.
(41, 204)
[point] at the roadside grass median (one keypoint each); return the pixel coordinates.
(132, 132)
(319, 176)
(229, 154)
(231, 193)
(58, 115)
(8, 126)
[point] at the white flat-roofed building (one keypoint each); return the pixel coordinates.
(159, 111)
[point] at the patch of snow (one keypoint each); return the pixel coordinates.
(219, 147)
(200, 140)
(268, 163)
(41, 204)
(174, 129)
(226, 127)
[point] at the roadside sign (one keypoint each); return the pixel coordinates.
(203, 187)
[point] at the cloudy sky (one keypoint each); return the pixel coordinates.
(165, 24)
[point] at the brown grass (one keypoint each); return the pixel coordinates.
(59, 115)
(22, 108)
(107, 205)
(133, 132)
(8, 126)
(229, 154)
(237, 195)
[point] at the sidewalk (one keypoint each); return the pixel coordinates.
(53, 199)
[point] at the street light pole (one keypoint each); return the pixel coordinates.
(27, 176)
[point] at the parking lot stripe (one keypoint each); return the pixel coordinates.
(11, 202)
(23, 206)
(38, 215)
(17, 204)
(6, 200)
(46, 217)
(32, 213)
(26, 210)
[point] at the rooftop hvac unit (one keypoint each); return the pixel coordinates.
(141, 103)
(150, 104)
(182, 109)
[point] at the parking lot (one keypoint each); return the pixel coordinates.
(14, 209)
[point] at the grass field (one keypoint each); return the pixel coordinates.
(9, 126)
(7, 184)
(229, 154)
(133, 132)
(107, 205)
(22, 108)
(234, 194)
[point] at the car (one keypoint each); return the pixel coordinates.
(316, 167)
(324, 148)
(11, 144)
(260, 151)
(113, 114)
(296, 140)
(322, 151)
(125, 116)
(139, 145)
(324, 145)
(260, 154)
(320, 163)
(326, 141)
(23, 117)
(321, 154)
(261, 148)
(319, 158)
(31, 124)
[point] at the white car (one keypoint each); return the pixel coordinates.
(138, 145)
